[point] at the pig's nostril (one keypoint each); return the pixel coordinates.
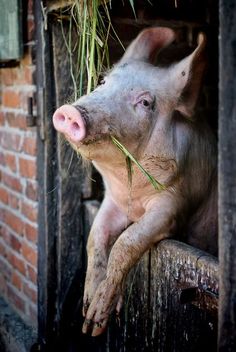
(61, 118)
(75, 126)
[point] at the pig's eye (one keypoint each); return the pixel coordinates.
(101, 81)
(145, 102)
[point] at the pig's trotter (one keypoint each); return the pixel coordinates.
(127, 250)
(108, 225)
(103, 303)
(92, 282)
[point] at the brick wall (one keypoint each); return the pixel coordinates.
(18, 184)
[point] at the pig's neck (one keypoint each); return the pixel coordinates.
(118, 189)
(132, 198)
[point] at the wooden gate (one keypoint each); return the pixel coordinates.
(172, 294)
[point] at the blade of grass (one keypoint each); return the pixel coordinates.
(132, 6)
(130, 171)
(157, 185)
(92, 47)
(83, 51)
(89, 55)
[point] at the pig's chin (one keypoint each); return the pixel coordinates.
(92, 147)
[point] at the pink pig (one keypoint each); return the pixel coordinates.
(150, 110)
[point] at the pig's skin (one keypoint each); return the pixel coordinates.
(151, 111)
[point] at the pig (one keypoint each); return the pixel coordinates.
(151, 111)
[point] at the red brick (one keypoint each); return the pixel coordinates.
(15, 243)
(31, 233)
(8, 76)
(29, 253)
(3, 284)
(27, 168)
(12, 182)
(28, 74)
(11, 141)
(27, 59)
(2, 159)
(30, 30)
(13, 201)
(3, 252)
(30, 292)
(16, 280)
(11, 99)
(5, 269)
(17, 121)
(2, 213)
(14, 298)
(3, 196)
(29, 146)
(31, 190)
(2, 119)
(14, 222)
(17, 263)
(10, 162)
(29, 211)
(5, 234)
(30, 7)
(32, 274)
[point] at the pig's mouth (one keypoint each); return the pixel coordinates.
(98, 136)
(98, 139)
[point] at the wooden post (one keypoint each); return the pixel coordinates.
(227, 177)
(47, 181)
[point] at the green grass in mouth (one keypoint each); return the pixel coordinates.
(129, 160)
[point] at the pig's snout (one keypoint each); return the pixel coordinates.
(68, 120)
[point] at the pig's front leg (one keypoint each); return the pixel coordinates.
(108, 224)
(155, 225)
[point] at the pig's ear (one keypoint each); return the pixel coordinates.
(148, 43)
(186, 78)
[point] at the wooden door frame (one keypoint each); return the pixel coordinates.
(46, 175)
(47, 221)
(227, 176)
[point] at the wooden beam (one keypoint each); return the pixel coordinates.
(227, 177)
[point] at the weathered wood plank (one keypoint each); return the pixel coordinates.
(130, 329)
(227, 172)
(176, 326)
(46, 175)
(70, 177)
(160, 313)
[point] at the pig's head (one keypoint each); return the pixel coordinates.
(135, 100)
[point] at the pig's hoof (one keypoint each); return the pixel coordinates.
(93, 280)
(99, 328)
(95, 328)
(103, 303)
